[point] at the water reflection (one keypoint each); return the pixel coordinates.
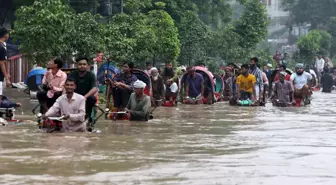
(183, 145)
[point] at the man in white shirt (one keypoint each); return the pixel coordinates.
(319, 66)
(72, 106)
(171, 90)
(301, 81)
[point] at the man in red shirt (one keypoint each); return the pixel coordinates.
(282, 68)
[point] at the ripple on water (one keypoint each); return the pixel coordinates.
(189, 144)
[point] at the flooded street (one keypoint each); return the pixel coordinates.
(185, 145)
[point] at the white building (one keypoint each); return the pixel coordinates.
(278, 17)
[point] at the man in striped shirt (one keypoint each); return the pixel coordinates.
(259, 85)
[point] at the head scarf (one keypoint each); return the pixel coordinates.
(299, 66)
(139, 84)
(156, 76)
(154, 69)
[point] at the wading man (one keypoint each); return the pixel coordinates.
(283, 91)
(139, 103)
(302, 83)
(85, 85)
(158, 88)
(259, 85)
(195, 85)
(245, 84)
(72, 106)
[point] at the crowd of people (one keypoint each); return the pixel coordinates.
(284, 87)
(74, 95)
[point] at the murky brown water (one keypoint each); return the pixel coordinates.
(185, 145)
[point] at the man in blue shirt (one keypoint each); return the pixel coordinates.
(122, 86)
(195, 85)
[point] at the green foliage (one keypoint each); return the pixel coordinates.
(167, 47)
(189, 31)
(58, 31)
(252, 25)
(325, 43)
(86, 40)
(316, 42)
(214, 13)
(120, 37)
(265, 57)
(320, 14)
(140, 37)
(237, 40)
(193, 35)
(227, 44)
(43, 29)
(315, 12)
(136, 6)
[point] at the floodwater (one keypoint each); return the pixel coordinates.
(185, 145)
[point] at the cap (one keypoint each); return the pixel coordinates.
(299, 66)
(139, 84)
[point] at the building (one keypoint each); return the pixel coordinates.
(278, 17)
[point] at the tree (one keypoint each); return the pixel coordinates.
(139, 37)
(119, 38)
(86, 39)
(314, 12)
(214, 13)
(314, 43)
(49, 28)
(325, 43)
(227, 45)
(167, 46)
(252, 25)
(193, 35)
(43, 35)
(236, 41)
